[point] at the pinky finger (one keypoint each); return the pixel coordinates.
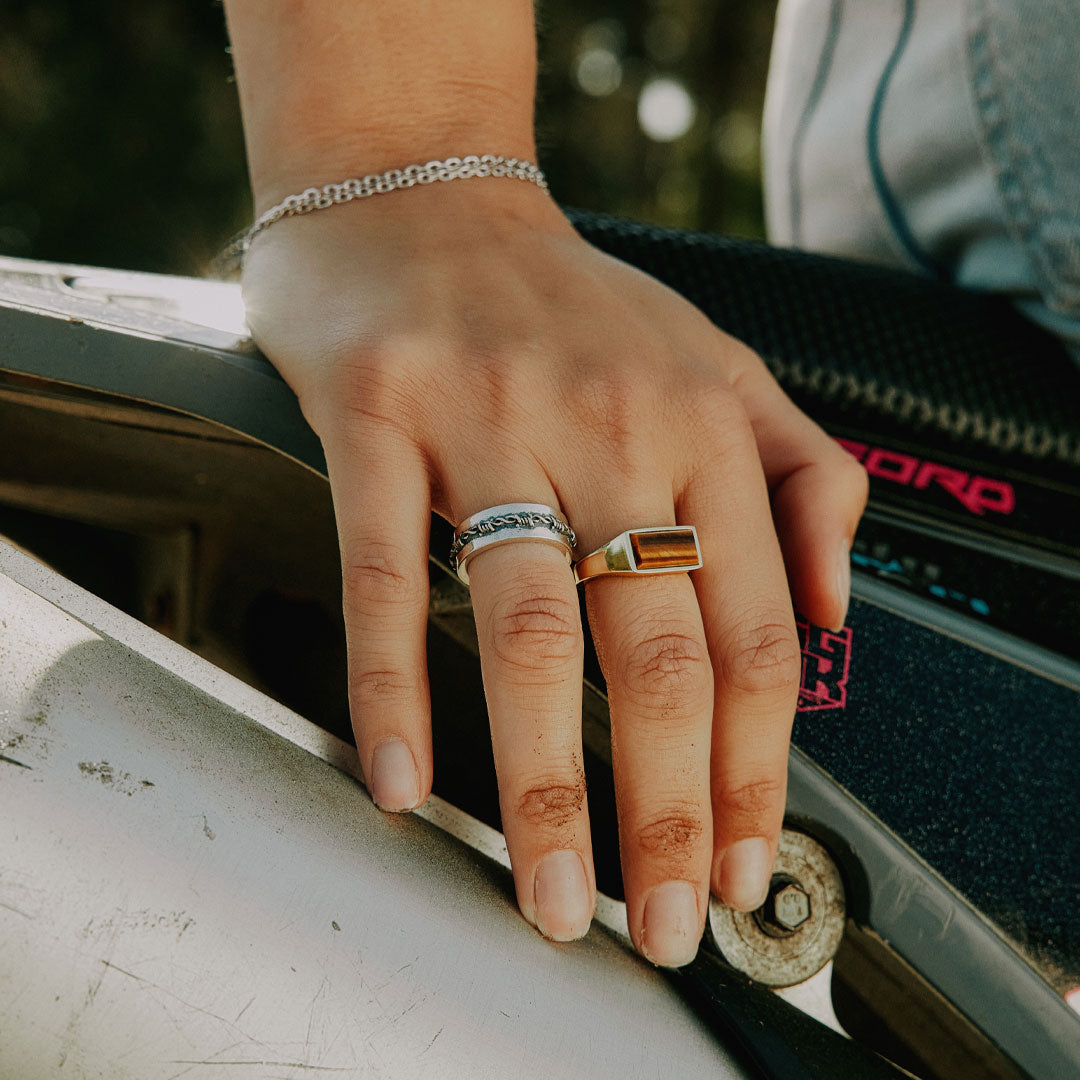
(816, 509)
(818, 493)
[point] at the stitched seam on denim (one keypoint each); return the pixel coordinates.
(1020, 218)
(813, 98)
(1037, 441)
(890, 205)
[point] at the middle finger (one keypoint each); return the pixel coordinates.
(651, 644)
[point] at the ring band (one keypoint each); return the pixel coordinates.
(506, 523)
(665, 549)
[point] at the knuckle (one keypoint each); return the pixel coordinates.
(610, 406)
(763, 657)
(536, 630)
(553, 804)
(380, 684)
(498, 380)
(718, 409)
(667, 669)
(375, 576)
(385, 382)
(722, 430)
(852, 478)
(746, 371)
(750, 800)
(674, 833)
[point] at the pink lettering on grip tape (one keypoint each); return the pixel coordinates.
(892, 466)
(826, 657)
(977, 493)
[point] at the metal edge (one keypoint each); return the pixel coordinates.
(243, 394)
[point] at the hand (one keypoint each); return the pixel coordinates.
(459, 347)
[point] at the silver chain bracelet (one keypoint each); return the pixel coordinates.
(453, 168)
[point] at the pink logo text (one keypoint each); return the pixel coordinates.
(977, 493)
(826, 657)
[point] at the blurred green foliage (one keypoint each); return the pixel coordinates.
(121, 145)
(593, 146)
(120, 139)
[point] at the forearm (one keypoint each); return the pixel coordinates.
(336, 88)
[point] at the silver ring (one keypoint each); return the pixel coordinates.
(663, 549)
(506, 523)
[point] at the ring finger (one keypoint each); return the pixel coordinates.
(531, 654)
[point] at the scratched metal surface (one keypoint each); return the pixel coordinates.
(193, 884)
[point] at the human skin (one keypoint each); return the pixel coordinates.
(458, 346)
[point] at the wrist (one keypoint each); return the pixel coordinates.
(316, 163)
(372, 185)
(412, 228)
(483, 205)
(331, 91)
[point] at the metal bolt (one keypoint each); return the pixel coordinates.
(786, 907)
(791, 907)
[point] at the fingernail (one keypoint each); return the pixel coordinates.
(561, 892)
(745, 873)
(395, 783)
(843, 585)
(669, 926)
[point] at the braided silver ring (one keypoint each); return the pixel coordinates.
(506, 523)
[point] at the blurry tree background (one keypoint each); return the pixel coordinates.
(120, 138)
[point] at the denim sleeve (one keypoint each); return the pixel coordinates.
(1024, 64)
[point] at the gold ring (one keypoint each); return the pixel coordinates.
(665, 549)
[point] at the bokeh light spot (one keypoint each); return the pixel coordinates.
(666, 110)
(598, 72)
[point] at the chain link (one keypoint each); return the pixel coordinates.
(452, 168)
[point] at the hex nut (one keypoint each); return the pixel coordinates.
(791, 907)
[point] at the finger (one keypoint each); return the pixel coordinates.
(749, 625)
(651, 644)
(531, 654)
(818, 495)
(382, 502)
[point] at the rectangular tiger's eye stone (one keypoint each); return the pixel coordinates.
(664, 550)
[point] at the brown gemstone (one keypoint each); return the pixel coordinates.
(664, 550)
